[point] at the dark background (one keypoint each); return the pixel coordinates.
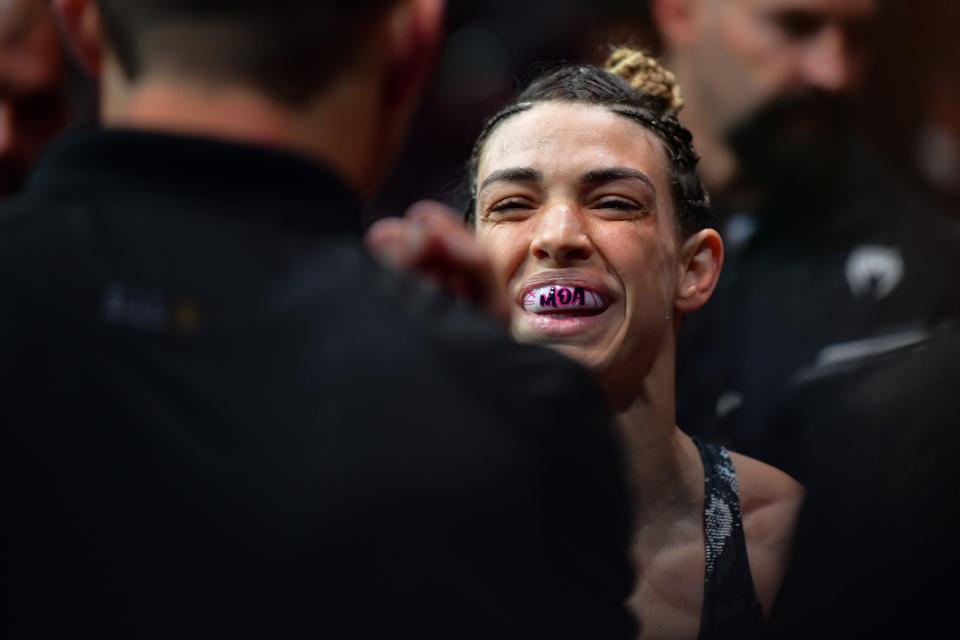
(913, 83)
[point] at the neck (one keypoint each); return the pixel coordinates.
(327, 130)
(664, 467)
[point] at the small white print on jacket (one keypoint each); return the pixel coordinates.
(874, 271)
(129, 306)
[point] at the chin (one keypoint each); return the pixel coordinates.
(591, 349)
(594, 360)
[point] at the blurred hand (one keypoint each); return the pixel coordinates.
(430, 240)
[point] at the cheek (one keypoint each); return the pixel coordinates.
(646, 265)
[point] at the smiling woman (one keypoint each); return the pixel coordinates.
(587, 197)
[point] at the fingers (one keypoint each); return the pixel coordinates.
(452, 253)
(429, 236)
(431, 209)
(444, 232)
(396, 242)
(429, 229)
(431, 241)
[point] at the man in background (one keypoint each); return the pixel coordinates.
(832, 260)
(33, 97)
(221, 418)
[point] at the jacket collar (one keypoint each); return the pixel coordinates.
(239, 180)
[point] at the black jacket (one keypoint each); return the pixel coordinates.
(874, 553)
(221, 418)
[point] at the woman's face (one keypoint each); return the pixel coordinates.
(575, 208)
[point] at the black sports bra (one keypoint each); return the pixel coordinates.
(731, 609)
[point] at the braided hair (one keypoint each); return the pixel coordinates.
(635, 86)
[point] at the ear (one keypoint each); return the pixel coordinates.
(414, 39)
(404, 46)
(702, 260)
(80, 20)
(674, 20)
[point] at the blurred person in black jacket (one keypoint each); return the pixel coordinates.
(33, 100)
(221, 417)
(872, 553)
(831, 257)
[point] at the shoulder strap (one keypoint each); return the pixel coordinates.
(730, 605)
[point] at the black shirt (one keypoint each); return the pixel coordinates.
(221, 418)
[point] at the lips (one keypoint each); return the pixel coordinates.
(566, 299)
(564, 306)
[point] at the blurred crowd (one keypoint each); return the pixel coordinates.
(907, 108)
(910, 79)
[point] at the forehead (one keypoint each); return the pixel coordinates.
(558, 137)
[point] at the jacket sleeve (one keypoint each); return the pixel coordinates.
(586, 494)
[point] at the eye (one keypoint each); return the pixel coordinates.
(619, 205)
(510, 205)
(509, 209)
(797, 25)
(619, 208)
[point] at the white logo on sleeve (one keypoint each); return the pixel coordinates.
(874, 271)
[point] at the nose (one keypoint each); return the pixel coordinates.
(827, 63)
(560, 237)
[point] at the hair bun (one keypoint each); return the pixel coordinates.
(645, 74)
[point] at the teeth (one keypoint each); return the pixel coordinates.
(554, 298)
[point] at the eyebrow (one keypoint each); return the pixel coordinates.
(616, 173)
(513, 174)
(597, 176)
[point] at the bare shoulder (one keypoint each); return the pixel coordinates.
(770, 501)
(763, 487)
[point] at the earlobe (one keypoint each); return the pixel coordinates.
(404, 48)
(80, 22)
(415, 39)
(702, 261)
